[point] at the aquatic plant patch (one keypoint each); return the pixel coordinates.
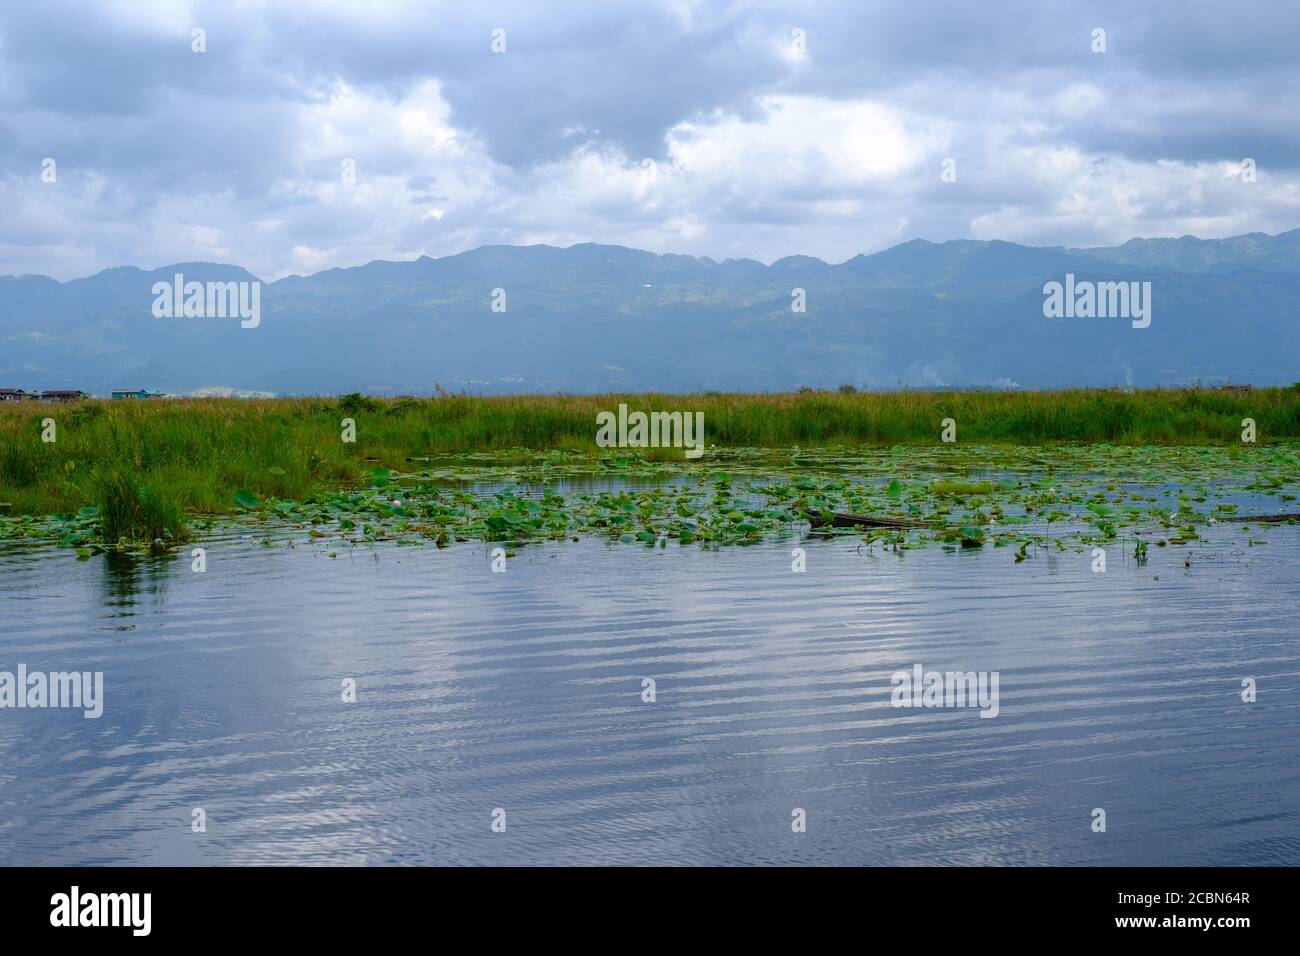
(1024, 499)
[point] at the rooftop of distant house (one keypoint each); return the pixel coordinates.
(49, 394)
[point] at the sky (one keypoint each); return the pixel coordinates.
(723, 129)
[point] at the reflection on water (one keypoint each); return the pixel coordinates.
(523, 691)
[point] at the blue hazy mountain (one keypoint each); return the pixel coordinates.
(598, 318)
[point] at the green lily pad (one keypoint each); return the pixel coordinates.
(246, 499)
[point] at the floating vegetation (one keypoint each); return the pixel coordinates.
(1070, 497)
(129, 516)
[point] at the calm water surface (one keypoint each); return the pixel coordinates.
(523, 691)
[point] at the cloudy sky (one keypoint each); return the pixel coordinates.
(713, 128)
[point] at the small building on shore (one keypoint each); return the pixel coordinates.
(63, 395)
(120, 394)
(14, 395)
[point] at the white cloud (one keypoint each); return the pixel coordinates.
(1074, 198)
(680, 126)
(798, 143)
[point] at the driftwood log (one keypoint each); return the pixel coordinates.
(1265, 519)
(845, 519)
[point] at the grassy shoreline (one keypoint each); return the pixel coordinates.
(193, 455)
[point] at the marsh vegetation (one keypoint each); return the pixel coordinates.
(511, 468)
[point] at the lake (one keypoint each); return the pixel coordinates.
(522, 691)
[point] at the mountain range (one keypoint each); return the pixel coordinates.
(597, 318)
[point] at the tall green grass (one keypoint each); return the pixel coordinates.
(195, 453)
(135, 511)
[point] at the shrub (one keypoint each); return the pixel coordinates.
(354, 402)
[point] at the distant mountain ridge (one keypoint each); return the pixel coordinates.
(589, 317)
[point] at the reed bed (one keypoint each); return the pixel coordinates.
(191, 455)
